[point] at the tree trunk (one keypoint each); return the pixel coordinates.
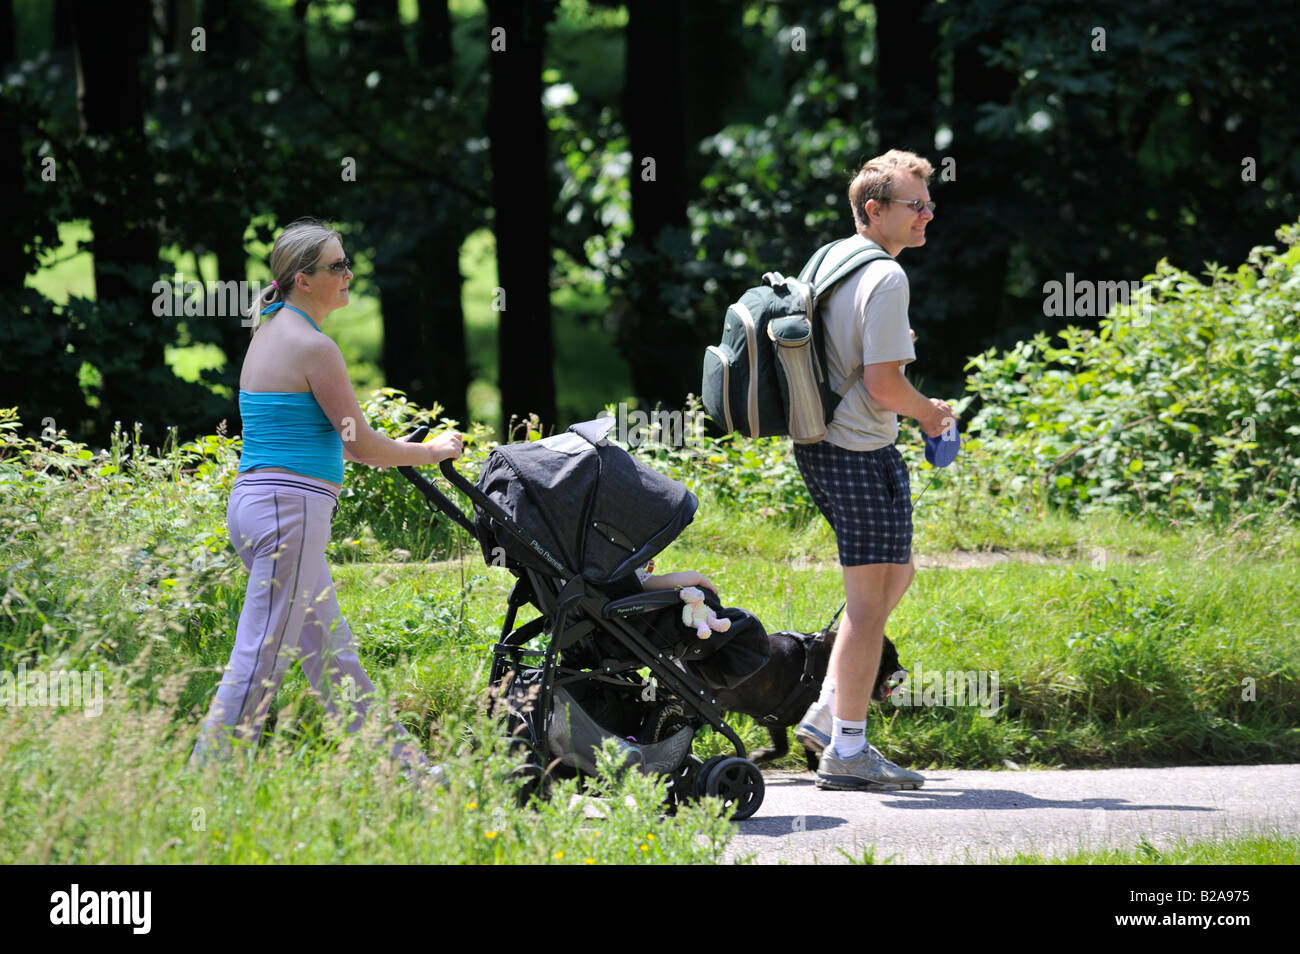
(13, 178)
(713, 57)
(381, 25)
(177, 21)
(8, 35)
(420, 292)
(228, 31)
(110, 41)
(61, 21)
(970, 252)
(433, 40)
(653, 101)
(424, 326)
(228, 40)
(654, 110)
(907, 77)
(298, 55)
(522, 201)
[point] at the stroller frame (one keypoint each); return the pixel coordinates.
(732, 778)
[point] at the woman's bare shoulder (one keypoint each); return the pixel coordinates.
(280, 356)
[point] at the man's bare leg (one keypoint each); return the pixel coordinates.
(871, 593)
(849, 762)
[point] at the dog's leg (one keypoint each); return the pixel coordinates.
(811, 759)
(780, 746)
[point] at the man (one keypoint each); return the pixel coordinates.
(857, 477)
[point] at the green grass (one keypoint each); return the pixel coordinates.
(1263, 849)
(116, 789)
(1129, 663)
(1137, 659)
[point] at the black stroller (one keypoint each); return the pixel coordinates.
(573, 517)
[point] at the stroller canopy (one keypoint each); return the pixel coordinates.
(586, 505)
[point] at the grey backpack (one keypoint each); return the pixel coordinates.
(768, 376)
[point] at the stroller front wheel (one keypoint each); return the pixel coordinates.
(736, 781)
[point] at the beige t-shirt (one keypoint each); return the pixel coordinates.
(865, 322)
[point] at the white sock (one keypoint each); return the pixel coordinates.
(848, 738)
(827, 696)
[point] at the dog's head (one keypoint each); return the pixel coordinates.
(889, 676)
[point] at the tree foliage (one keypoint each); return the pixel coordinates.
(1187, 407)
(1090, 140)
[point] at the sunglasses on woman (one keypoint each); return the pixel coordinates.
(335, 268)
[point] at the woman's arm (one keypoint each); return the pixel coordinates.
(327, 376)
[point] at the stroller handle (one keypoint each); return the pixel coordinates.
(457, 480)
(435, 496)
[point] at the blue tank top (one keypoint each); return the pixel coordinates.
(288, 429)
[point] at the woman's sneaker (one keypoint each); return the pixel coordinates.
(868, 770)
(814, 729)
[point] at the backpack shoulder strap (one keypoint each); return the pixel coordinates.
(814, 263)
(849, 264)
(846, 267)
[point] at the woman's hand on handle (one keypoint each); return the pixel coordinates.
(447, 446)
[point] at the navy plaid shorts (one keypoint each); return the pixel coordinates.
(865, 496)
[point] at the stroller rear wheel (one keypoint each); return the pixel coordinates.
(529, 773)
(684, 783)
(736, 781)
(532, 781)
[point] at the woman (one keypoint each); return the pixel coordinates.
(301, 419)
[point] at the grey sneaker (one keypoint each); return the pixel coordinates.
(868, 770)
(438, 776)
(422, 777)
(814, 729)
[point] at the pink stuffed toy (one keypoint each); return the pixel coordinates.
(700, 617)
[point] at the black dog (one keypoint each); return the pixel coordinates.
(780, 692)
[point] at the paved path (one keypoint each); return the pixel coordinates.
(971, 816)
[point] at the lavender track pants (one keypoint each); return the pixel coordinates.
(280, 524)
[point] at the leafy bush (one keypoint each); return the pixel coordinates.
(106, 553)
(378, 507)
(1195, 412)
(756, 476)
(1190, 408)
(113, 554)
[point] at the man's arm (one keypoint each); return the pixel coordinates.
(892, 391)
